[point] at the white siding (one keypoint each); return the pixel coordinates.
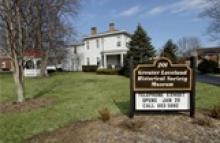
(93, 52)
(106, 44)
(74, 61)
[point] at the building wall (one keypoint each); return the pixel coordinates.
(74, 58)
(92, 51)
(5, 64)
(108, 43)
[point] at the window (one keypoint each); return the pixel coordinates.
(119, 44)
(127, 44)
(98, 61)
(87, 45)
(75, 50)
(88, 61)
(119, 41)
(3, 65)
(97, 43)
(103, 41)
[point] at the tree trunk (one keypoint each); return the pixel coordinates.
(44, 65)
(18, 78)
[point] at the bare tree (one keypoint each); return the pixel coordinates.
(187, 45)
(33, 24)
(12, 24)
(213, 12)
(52, 26)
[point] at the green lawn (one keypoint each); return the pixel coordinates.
(78, 96)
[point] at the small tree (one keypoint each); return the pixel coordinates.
(169, 51)
(187, 45)
(13, 26)
(140, 48)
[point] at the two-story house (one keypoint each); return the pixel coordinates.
(106, 49)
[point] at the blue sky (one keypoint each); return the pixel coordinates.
(162, 19)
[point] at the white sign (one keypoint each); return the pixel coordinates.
(162, 101)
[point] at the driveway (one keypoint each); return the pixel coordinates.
(209, 79)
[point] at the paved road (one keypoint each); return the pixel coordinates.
(209, 79)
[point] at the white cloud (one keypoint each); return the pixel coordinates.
(186, 5)
(157, 10)
(178, 7)
(130, 12)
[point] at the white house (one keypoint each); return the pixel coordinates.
(105, 49)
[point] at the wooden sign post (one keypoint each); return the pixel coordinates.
(162, 86)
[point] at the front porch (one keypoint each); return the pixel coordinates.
(113, 59)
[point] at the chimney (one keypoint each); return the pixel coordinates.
(93, 31)
(111, 27)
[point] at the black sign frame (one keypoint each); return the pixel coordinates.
(191, 91)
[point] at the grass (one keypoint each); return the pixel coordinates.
(78, 96)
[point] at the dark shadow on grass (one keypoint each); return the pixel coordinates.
(45, 90)
(123, 106)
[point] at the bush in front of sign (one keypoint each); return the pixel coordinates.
(215, 112)
(105, 114)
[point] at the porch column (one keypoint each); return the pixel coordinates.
(121, 59)
(35, 67)
(105, 60)
(35, 63)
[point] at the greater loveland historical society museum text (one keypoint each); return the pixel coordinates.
(162, 86)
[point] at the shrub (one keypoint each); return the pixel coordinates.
(107, 71)
(132, 125)
(203, 121)
(89, 68)
(207, 66)
(104, 114)
(217, 70)
(215, 112)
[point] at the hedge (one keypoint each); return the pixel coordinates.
(107, 71)
(90, 68)
(207, 66)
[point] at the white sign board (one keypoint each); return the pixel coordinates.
(162, 101)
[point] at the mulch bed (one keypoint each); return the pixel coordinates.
(142, 129)
(28, 105)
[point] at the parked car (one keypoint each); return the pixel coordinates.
(59, 67)
(54, 68)
(51, 68)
